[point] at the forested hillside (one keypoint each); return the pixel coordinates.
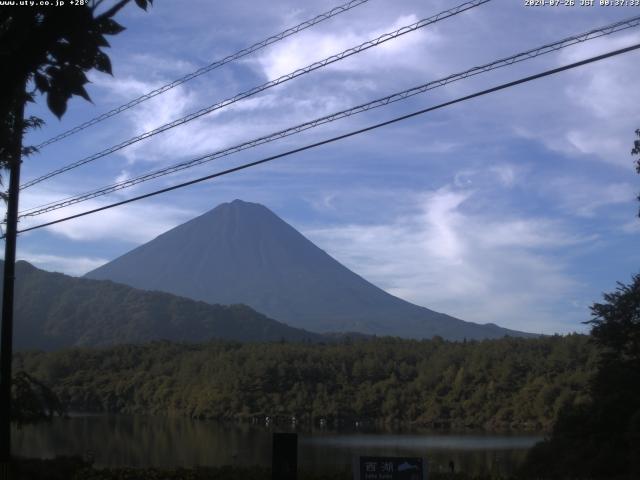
(55, 311)
(506, 383)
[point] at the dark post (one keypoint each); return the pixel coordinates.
(284, 464)
(6, 331)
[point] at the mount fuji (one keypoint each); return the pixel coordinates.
(242, 252)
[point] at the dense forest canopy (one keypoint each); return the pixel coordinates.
(54, 311)
(506, 383)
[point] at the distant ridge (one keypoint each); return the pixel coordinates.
(55, 311)
(242, 252)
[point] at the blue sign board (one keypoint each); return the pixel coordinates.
(390, 468)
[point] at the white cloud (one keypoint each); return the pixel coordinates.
(497, 175)
(443, 219)
(57, 263)
(159, 66)
(632, 227)
(590, 111)
(588, 197)
(122, 177)
(476, 266)
(236, 123)
(405, 52)
(506, 174)
(136, 223)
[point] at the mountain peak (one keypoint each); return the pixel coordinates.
(240, 204)
(237, 211)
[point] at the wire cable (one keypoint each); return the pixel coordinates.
(212, 66)
(343, 136)
(395, 97)
(253, 91)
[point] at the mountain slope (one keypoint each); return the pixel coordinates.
(53, 310)
(242, 252)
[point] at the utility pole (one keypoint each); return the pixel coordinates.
(6, 331)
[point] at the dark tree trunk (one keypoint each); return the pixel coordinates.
(15, 120)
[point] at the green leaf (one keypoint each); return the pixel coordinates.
(100, 40)
(32, 122)
(52, 71)
(102, 63)
(74, 76)
(29, 150)
(62, 51)
(83, 93)
(78, 89)
(42, 83)
(110, 27)
(57, 102)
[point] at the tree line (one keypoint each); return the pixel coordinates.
(492, 384)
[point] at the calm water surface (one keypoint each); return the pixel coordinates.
(177, 442)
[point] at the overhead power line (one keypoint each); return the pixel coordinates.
(253, 91)
(343, 136)
(519, 57)
(212, 66)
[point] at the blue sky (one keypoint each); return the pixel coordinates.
(516, 208)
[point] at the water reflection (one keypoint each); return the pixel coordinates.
(141, 441)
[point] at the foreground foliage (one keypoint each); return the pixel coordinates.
(73, 468)
(33, 401)
(601, 439)
(493, 384)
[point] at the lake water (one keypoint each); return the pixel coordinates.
(140, 441)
